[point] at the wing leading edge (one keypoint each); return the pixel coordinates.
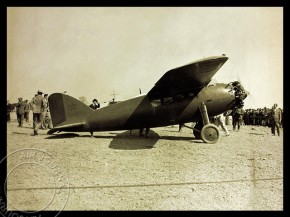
(190, 77)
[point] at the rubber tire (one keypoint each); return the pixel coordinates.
(210, 134)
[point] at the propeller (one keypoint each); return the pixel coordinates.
(247, 89)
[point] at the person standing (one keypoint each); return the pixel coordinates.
(276, 118)
(38, 107)
(26, 111)
(238, 117)
(32, 107)
(20, 111)
(217, 120)
(8, 111)
(146, 131)
(46, 122)
(95, 105)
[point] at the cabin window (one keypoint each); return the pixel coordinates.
(180, 97)
(162, 101)
(167, 100)
(170, 100)
(156, 103)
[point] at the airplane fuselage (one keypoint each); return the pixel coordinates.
(140, 112)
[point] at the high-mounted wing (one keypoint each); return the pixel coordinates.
(187, 78)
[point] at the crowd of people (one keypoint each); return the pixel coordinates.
(269, 117)
(260, 117)
(40, 108)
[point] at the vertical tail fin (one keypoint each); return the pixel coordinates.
(66, 110)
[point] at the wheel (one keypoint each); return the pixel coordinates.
(210, 133)
(197, 129)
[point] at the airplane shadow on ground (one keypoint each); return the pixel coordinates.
(129, 141)
(133, 141)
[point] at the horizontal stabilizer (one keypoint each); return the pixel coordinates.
(65, 126)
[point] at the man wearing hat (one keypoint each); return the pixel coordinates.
(46, 122)
(38, 109)
(20, 112)
(95, 104)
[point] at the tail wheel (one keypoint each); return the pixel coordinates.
(210, 133)
(197, 130)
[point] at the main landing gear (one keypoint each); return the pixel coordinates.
(209, 133)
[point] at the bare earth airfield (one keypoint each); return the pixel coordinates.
(170, 170)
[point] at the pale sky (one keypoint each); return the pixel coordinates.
(92, 51)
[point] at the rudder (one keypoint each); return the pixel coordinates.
(64, 108)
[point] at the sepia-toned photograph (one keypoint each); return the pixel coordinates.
(144, 108)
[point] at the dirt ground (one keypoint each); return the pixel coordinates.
(170, 170)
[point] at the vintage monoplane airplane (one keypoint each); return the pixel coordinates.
(182, 95)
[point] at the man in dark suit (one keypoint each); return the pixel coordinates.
(276, 117)
(238, 115)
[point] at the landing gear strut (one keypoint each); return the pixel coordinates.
(209, 133)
